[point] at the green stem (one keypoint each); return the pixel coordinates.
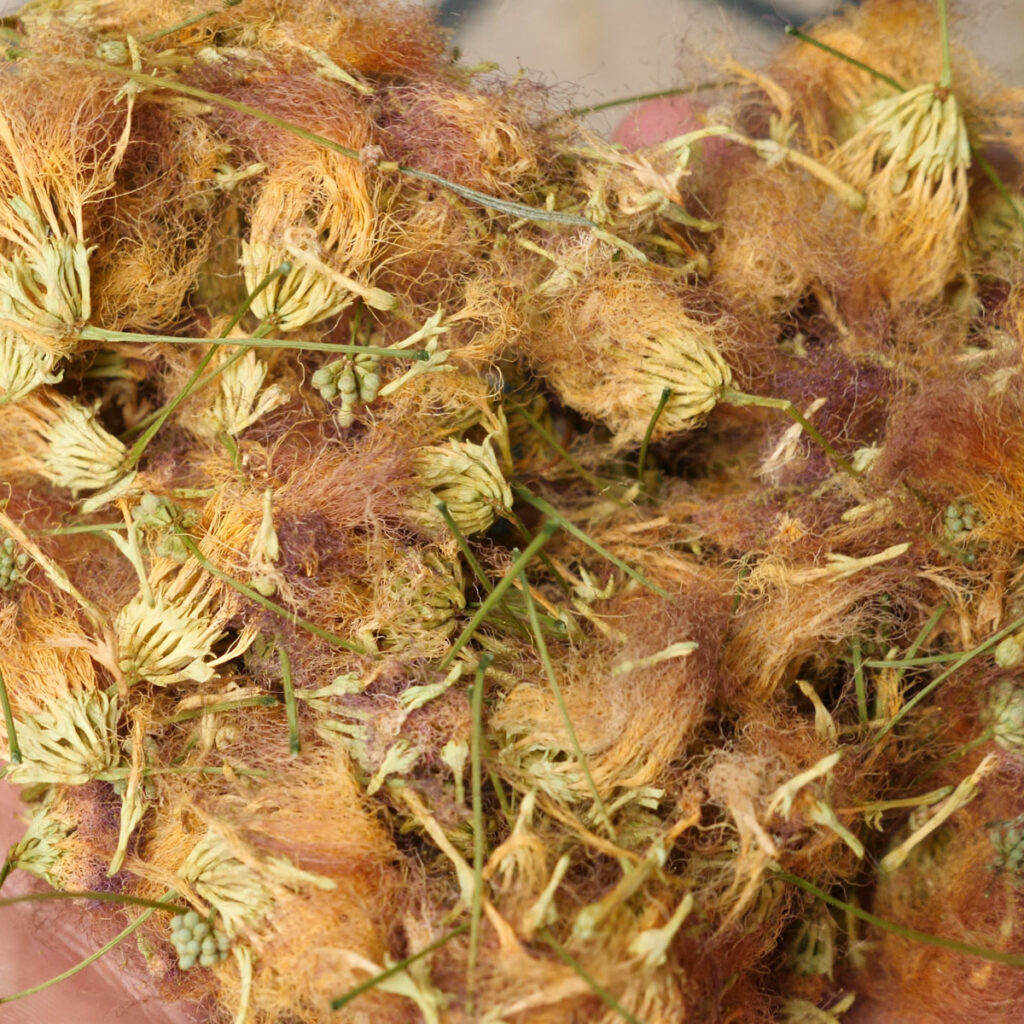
(1013, 959)
(294, 743)
(390, 972)
(471, 560)
(188, 22)
(990, 173)
(602, 993)
(519, 210)
(12, 735)
(946, 79)
(858, 679)
(255, 340)
(549, 671)
(81, 965)
(646, 97)
(552, 441)
(547, 532)
(96, 897)
(943, 676)
(265, 602)
(874, 72)
(476, 789)
(549, 510)
(666, 394)
(731, 397)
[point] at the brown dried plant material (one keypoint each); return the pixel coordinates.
(57, 161)
(311, 209)
(612, 344)
(830, 91)
(616, 691)
(158, 227)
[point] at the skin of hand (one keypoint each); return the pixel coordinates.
(40, 940)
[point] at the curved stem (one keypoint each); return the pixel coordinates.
(731, 397)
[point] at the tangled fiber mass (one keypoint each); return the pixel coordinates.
(455, 568)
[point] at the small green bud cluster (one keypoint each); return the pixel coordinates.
(1005, 715)
(355, 379)
(196, 942)
(960, 517)
(12, 564)
(1007, 837)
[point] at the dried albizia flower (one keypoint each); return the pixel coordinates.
(73, 741)
(167, 633)
(239, 402)
(168, 636)
(614, 344)
(911, 158)
(238, 885)
(23, 366)
(314, 212)
(467, 478)
(81, 455)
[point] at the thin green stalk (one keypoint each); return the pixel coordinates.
(524, 532)
(265, 602)
(602, 993)
(666, 394)
(81, 965)
(943, 676)
(548, 530)
(255, 340)
(294, 743)
(499, 792)
(12, 735)
(550, 439)
(993, 176)
(65, 531)
(161, 416)
(874, 72)
(519, 210)
(152, 37)
(645, 97)
(549, 510)
(994, 955)
(476, 790)
(946, 78)
(471, 560)
(904, 663)
(732, 397)
(858, 680)
(390, 972)
(549, 671)
(95, 897)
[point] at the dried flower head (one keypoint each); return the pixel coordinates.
(241, 398)
(314, 211)
(467, 477)
(238, 884)
(23, 366)
(44, 286)
(616, 342)
(168, 636)
(81, 455)
(911, 158)
(73, 741)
